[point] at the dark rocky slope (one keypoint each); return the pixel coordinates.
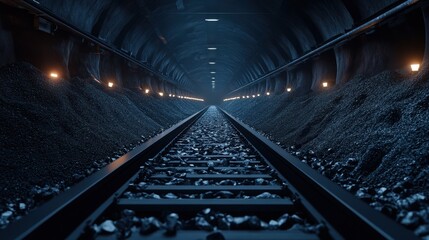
(371, 136)
(56, 132)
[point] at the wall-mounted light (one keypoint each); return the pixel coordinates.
(289, 89)
(169, 95)
(247, 96)
(213, 78)
(268, 93)
(258, 95)
(212, 63)
(213, 72)
(415, 67)
(53, 75)
(146, 91)
(212, 48)
(110, 84)
(253, 96)
(212, 20)
(325, 84)
(161, 94)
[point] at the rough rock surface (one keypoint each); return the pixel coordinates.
(56, 132)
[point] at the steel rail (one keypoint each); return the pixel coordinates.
(351, 217)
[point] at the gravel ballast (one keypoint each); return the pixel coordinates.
(55, 132)
(370, 135)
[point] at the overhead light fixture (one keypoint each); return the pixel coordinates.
(211, 48)
(146, 91)
(110, 84)
(258, 95)
(213, 78)
(212, 20)
(213, 81)
(213, 72)
(253, 96)
(325, 84)
(161, 94)
(268, 93)
(289, 89)
(169, 95)
(415, 67)
(212, 63)
(53, 75)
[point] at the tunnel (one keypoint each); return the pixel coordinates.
(324, 102)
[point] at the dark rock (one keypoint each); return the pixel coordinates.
(264, 195)
(228, 182)
(149, 225)
(273, 224)
(253, 223)
(260, 181)
(411, 220)
(108, 226)
(171, 224)
(224, 194)
(412, 202)
(208, 195)
(175, 181)
(215, 236)
(128, 213)
(223, 223)
(285, 222)
(170, 196)
(371, 160)
(201, 223)
(381, 191)
(422, 230)
(363, 194)
(6, 215)
(389, 210)
(210, 166)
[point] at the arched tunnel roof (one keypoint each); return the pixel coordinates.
(251, 37)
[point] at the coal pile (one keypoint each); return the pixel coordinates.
(56, 132)
(369, 136)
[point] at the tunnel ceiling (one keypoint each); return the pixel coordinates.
(252, 37)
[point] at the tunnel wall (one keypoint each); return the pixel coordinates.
(67, 54)
(392, 46)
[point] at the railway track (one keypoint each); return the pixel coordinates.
(208, 177)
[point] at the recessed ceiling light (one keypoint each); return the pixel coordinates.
(212, 63)
(211, 48)
(213, 78)
(213, 81)
(213, 72)
(212, 20)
